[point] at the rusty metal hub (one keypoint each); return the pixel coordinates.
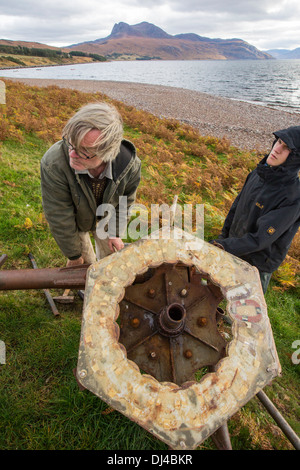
(168, 323)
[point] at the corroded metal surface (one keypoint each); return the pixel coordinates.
(43, 278)
(168, 324)
(183, 415)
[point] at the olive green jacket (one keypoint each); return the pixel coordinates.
(68, 202)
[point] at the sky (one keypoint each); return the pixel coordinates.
(266, 24)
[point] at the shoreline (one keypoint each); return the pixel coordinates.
(17, 67)
(247, 126)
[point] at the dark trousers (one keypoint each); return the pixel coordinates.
(265, 279)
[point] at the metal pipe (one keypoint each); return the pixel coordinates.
(221, 438)
(46, 291)
(278, 418)
(3, 258)
(43, 278)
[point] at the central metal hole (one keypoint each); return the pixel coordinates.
(171, 319)
(175, 313)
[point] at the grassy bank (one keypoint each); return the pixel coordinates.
(12, 56)
(9, 61)
(41, 406)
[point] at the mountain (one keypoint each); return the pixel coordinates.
(38, 45)
(139, 30)
(147, 41)
(285, 53)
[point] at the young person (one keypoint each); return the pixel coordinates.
(265, 216)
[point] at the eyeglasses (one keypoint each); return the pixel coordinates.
(81, 154)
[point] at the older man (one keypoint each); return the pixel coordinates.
(265, 216)
(92, 165)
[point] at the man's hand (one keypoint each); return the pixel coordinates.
(115, 244)
(75, 262)
(213, 242)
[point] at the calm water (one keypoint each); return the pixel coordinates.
(273, 83)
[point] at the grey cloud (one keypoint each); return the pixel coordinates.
(235, 7)
(35, 9)
(72, 21)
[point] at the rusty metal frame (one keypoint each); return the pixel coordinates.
(181, 416)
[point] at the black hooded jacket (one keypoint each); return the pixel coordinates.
(265, 216)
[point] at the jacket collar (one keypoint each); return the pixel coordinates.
(280, 174)
(123, 160)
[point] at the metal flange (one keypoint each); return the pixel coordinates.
(181, 415)
(168, 323)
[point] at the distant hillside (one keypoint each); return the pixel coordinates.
(33, 54)
(147, 41)
(9, 42)
(285, 53)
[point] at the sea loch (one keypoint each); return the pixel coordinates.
(272, 83)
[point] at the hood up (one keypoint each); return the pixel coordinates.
(291, 137)
(289, 170)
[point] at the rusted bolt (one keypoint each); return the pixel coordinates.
(183, 293)
(188, 354)
(152, 355)
(151, 293)
(201, 321)
(135, 322)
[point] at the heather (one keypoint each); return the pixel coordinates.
(41, 405)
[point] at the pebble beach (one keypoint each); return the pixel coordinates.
(247, 126)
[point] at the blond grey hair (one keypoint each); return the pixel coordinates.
(103, 117)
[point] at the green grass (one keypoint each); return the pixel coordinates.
(41, 406)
